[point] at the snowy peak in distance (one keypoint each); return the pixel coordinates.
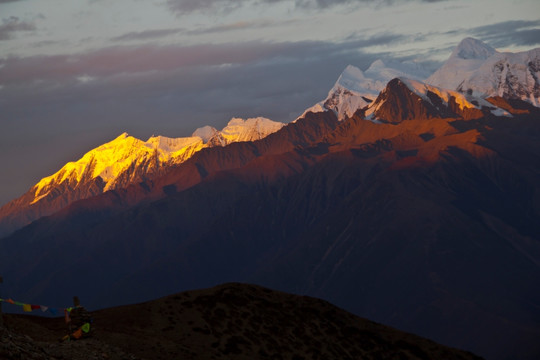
(390, 69)
(477, 69)
(508, 75)
(127, 160)
(474, 68)
(472, 49)
(206, 133)
(356, 89)
(238, 130)
(466, 58)
(117, 163)
(351, 78)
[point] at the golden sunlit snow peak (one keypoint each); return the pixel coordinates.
(119, 158)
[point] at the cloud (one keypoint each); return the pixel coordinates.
(14, 24)
(160, 33)
(189, 6)
(508, 33)
(120, 62)
(112, 61)
(147, 34)
(8, 1)
(223, 6)
(175, 82)
(240, 25)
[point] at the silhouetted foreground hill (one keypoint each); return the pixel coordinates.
(231, 321)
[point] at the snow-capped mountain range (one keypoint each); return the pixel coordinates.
(473, 73)
(127, 160)
(479, 70)
(123, 161)
(474, 68)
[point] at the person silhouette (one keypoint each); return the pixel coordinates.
(79, 320)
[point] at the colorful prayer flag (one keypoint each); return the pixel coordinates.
(30, 307)
(77, 334)
(86, 327)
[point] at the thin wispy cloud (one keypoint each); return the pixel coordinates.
(240, 25)
(147, 34)
(12, 25)
(189, 6)
(184, 7)
(515, 32)
(235, 26)
(107, 62)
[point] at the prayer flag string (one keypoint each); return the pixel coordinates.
(43, 308)
(84, 329)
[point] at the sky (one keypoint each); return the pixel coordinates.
(75, 74)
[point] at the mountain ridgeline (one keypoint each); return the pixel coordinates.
(419, 210)
(120, 163)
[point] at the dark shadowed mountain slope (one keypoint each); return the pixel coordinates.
(429, 225)
(231, 321)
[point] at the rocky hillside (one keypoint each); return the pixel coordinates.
(231, 321)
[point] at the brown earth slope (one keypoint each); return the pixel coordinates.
(231, 321)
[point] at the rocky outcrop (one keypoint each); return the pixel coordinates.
(405, 99)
